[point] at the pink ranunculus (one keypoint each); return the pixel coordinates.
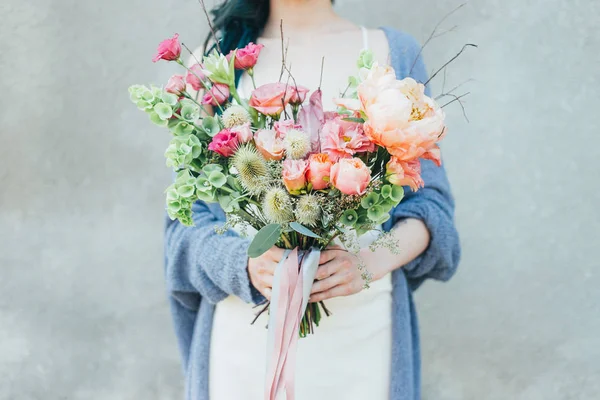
(405, 173)
(298, 94)
(175, 85)
(269, 144)
(283, 126)
(271, 98)
(168, 49)
(225, 143)
(319, 170)
(246, 57)
(294, 174)
(217, 95)
(244, 134)
(195, 76)
(343, 139)
(351, 176)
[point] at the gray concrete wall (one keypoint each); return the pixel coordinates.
(82, 307)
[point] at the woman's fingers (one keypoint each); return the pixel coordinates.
(327, 255)
(328, 283)
(337, 291)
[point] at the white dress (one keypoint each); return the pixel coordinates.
(348, 357)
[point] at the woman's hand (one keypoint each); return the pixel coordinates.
(338, 275)
(262, 269)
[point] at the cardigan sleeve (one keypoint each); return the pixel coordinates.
(199, 262)
(433, 204)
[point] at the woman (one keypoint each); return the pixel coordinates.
(369, 348)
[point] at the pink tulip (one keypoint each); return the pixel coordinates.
(319, 169)
(195, 77)
(168, 50)
(246, 57)
(217, 95)
(405, 173)
(225, 143)
(351, 176)
(294, 174)
(175, 85)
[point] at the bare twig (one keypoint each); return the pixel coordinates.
(434, 34)
(260, 312)
(210, 25)
(283, 51)
(450, 61)
(453, 89)
(321, 77)
(457, 99)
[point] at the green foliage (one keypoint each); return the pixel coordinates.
(265, 238)
(183, 150)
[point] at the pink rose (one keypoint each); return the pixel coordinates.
(283, 126)
(246, 57)
(269, 144)
(294, 174)
(175, 85)
(243, 132)
(298, 94)
(350, 176)
(319, 167)
(169, 50)
(217, 95)
(195, 77)
(343, 139)
(271, 98)
(225, 143)
(405, 173)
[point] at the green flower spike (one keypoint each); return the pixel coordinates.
(386, 191)
(370, 200)
(397, 193)
(375, 213)
(183, 150)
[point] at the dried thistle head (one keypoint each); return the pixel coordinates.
(252, 169)
(308, 210)
(277, 205)
(296, 144)
(235, 115)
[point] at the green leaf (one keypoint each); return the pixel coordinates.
(352, 119)
(217, 179)
(301, 229)
(397, 193)
(226, 203)
(369, 200)
(264, 240)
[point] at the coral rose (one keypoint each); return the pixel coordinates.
(351, 176)
(271, 98)
(319, 170)
(294, 174)
(342, 139)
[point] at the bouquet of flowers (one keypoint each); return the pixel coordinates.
(280, 164)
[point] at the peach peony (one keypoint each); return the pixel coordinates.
(294, 174)
(351, 176)
(405, 173)
(269, 144)
(319, 170)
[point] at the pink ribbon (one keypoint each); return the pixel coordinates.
(288, 303)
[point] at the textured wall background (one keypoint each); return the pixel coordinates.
(82, 308)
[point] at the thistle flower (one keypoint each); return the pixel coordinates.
(296, 144)
(277, 206)
(252, 169)
(308, 210)
(235, 115)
